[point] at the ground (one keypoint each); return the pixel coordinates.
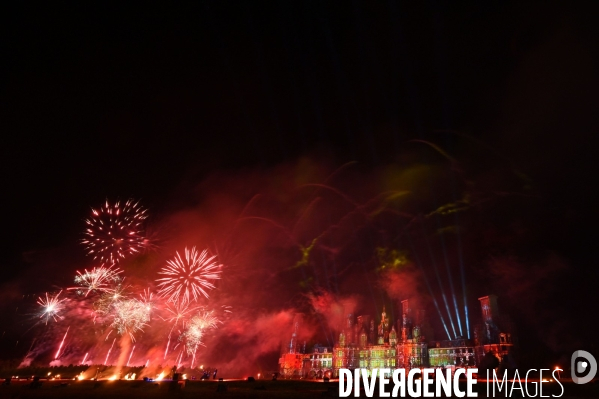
(208, 389)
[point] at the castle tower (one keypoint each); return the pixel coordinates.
(386, 320)
(371, 334)
(489, 307)
(349, 329)
(405, 307)
(363, 322)
(393, 336)
(383, 333)
(363, 339)
(293, 342)
(490, 312)
(416, 334)
(406, 320)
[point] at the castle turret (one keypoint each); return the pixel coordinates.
(293, 342)
(362, 325)
(342, 339)
(490, 313)
(383, 333)
(349, 329)
(363, 339)
(489, 307)
(406, 320)
(393, 336)
(371, 335)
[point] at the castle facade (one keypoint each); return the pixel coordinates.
(365, 344)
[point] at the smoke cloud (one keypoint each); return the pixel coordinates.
(301, 238)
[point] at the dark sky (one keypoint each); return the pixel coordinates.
(102, 101)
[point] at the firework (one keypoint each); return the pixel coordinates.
(196, 328)
(178, 362)
(105, 304)
(147, 298)
(178, 311)
(129, 316)
(188, 276)
(98, 279)
(51, 306)
(131, 354)
(115, 231)
(61, 343)
(109, 350)
(226, 309)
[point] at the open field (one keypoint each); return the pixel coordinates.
(208, 389)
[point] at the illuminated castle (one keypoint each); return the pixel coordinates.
(362, 344)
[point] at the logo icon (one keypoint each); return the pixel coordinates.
(579, 367)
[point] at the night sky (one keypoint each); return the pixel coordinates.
(159, 103)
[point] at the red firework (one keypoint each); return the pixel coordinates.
(114, 232)
(188, 276)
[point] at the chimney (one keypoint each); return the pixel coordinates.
(489, 307)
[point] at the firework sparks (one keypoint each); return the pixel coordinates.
(115, 231)
(178, 363)
(61, 344)
(196, 328)
(98, 279)
(51, 306)
(105, 305)
(148, 300)
(131, 354)
(121, 309)
(178, 312)
(188, 276)
(109, 350)
(130, 316)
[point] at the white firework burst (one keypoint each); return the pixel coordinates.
(51, 307)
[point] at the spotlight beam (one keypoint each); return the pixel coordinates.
(462, 276)
(430, 251)
(453, 296)
(428, 286)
